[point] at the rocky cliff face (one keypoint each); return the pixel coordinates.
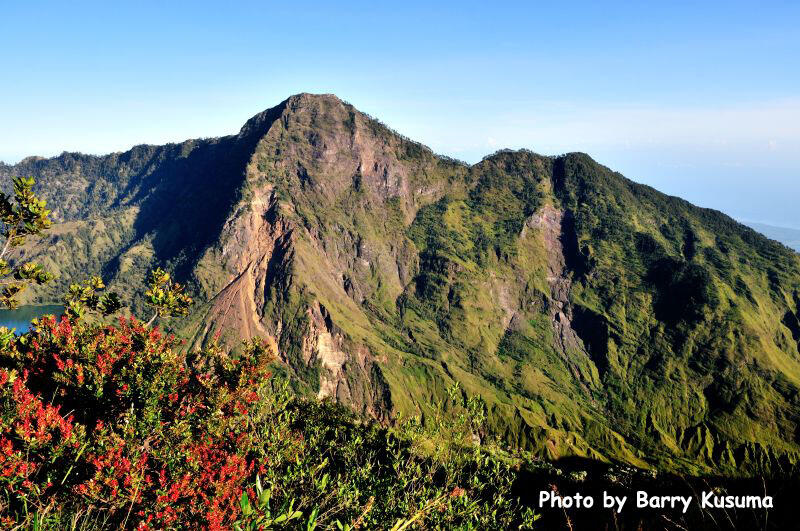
(598, 317)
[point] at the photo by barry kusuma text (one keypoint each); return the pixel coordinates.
(643, 501)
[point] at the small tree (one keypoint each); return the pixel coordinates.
(167, 298)
(86, 296)
(21, 215)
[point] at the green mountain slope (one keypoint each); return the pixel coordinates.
(597, 316)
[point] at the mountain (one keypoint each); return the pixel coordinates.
(598, 317)
(785, 235)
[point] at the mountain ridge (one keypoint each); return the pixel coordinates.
(599, 317)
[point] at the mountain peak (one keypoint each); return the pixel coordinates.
(309, 97)
(259, 123)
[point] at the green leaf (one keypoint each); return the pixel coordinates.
(263, 498)
(312, 519)
(244, 502)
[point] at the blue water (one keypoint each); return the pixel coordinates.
(21, 317)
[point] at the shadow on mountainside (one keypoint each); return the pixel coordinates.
(186, 200)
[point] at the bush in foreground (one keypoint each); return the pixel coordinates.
(108, 426)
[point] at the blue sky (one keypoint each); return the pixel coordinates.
(698, 99)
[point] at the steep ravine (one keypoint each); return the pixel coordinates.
(550, 221)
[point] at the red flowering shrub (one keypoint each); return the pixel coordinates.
(151, 437)
(34, 437)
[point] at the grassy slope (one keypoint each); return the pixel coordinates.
(699, 357)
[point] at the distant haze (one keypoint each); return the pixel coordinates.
(788, 237)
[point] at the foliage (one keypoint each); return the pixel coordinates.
(167, 298)
(21, 216)
(85, 296)
(148, 437)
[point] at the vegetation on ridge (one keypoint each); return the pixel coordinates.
(20, 218)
